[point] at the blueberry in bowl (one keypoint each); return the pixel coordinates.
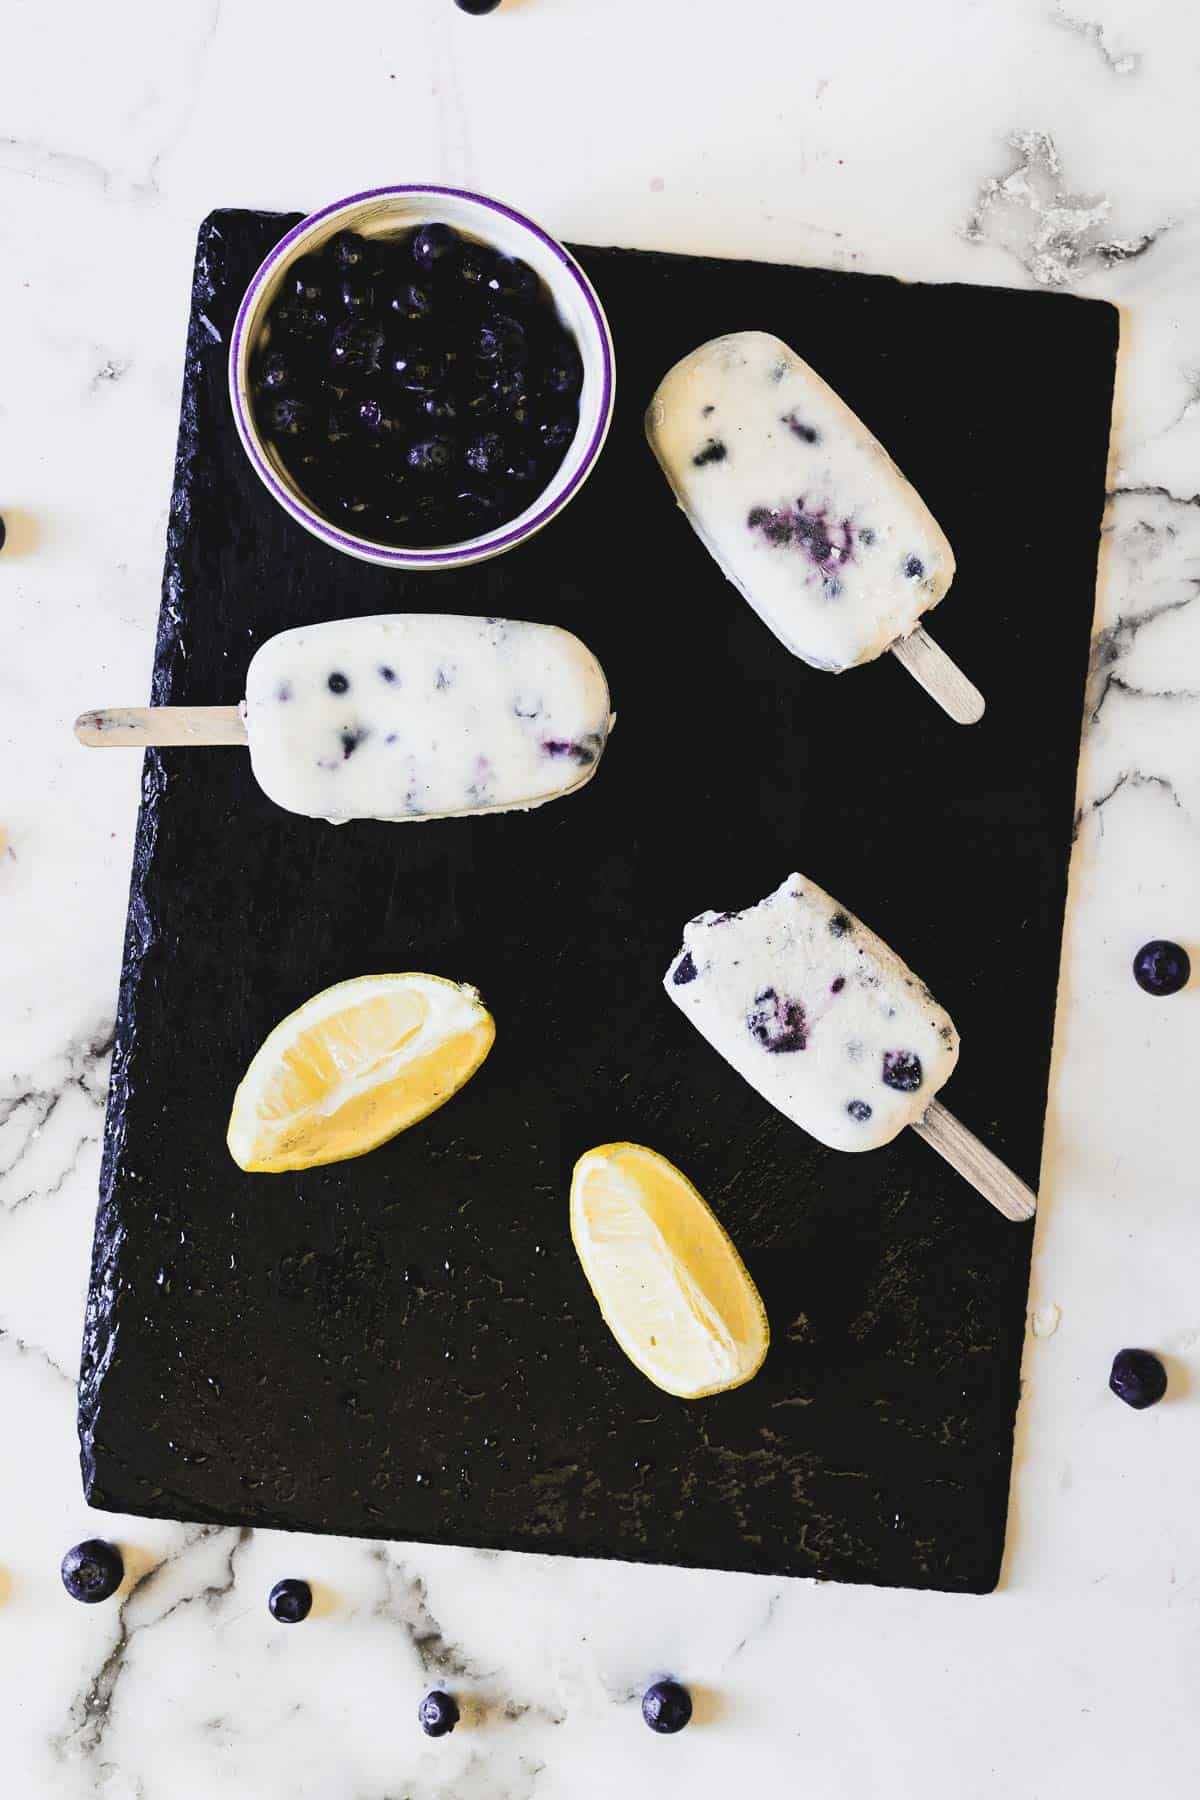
(421, 377)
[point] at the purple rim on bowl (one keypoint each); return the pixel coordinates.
(504, 536)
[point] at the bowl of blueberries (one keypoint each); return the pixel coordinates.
(421, 377)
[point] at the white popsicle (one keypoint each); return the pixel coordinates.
(804, 510)
(403, 716)
(830, 1026)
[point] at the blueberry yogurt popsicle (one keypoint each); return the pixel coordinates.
(418, 715)
(830, 1026)
(403, 716)
(804, 510)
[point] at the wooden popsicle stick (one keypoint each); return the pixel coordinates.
(160, 726)
(940, 676)
(976, 1163)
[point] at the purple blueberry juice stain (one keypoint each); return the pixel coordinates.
(706, 412)
(778, 1023)
(389, 675)
(284, 693)
(583, 751)
(350, 740)
(839, 925)
(902, 1071)
(684, 971)
(808, 434)
(828, 547)
(837, 986)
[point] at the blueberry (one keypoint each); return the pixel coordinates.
(555, 436)
(714, 451)
(288, 417)
(902, 1070)
(339, 426)
(411, 302)
(348, 251)
(290, 1601)
(521, 469)
(93, 1570)
(779, 1024)
(356, 347)
(304, 282)
(441, 408)
(350, 740)
(1161, 967)
(858, 1110)
(300, 324)
(563, 373)
(487, 453)
(914, 568)
(418, 370)
(685, 970)
(476, 510)
(513, 279)
(276, 372)
(839, 925)
(356, 292)
(435, 246)
(666, 1707)
(379, 419)
(1138, 1378)
(476, 267)
(438, 1714)
(338, 683)
(503, 342)
(508, 395)
(430, 457)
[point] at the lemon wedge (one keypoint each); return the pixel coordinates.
(671, 1287)
(353, 1066)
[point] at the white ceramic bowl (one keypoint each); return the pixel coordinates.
(383, 212)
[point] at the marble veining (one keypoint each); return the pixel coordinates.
(1065, 155)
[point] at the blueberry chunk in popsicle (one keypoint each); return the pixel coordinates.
(831, 1027)
(804, 510)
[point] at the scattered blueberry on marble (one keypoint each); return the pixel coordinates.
(438, 1713)
(338, 683)
(290, 1601)
(666, 1707)
(1138, 1378)
(1161, 967)
(902, 1071)
(378, 349)
(92, 1571)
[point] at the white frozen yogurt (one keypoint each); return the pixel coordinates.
(803, 509)
(423, 715)
(816, 1013)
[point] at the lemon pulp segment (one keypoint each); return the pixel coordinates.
(355, 1065)
(671, 1286)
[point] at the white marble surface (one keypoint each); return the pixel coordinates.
(1007, 142)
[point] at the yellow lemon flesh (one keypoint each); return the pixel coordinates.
(353, 1066)
(673, 1290)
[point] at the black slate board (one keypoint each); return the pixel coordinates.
(404, 1345)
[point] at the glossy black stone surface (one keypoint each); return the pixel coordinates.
(405, 1345)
